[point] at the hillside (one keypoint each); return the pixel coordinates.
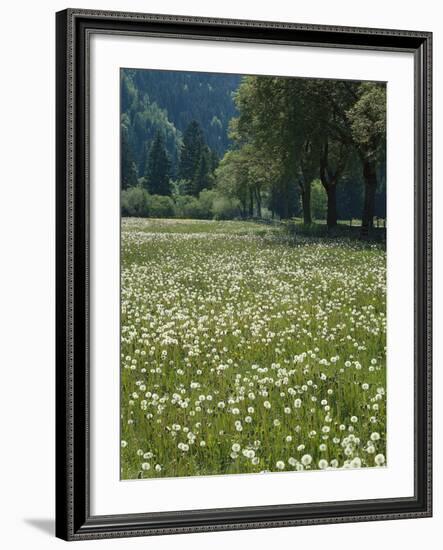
(170, 100)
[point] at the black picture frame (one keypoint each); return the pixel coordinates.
(73, 518)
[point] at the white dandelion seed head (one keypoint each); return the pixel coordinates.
(306, 460)
(379, 459)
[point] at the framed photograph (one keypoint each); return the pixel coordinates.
(243, 274)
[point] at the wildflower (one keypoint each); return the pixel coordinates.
(306, 460)
(379, 459)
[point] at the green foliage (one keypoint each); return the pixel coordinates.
(368, 123)
(191, 150)
(286, 135)
(319, 200)
(143, 119)
(128, 167)
(160, 206)
(367, 117)
(203, 176)
(225, 208)
(188, 206)
(308, 128)
(207, 198)
(157, 168)
(196, 161)
(201, 207)
(168, 101)
(135, 202)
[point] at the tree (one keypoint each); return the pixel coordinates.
(330, 176)
(368, 123)
(128, 170)
(157, 168)
(231, 177)
(265, 114)
(197, 161)
(203, 177)
(318, 200)
(190, 155)
(324, 107)
(134, 202)
(308, 168)
(245, 174)
(278, 118)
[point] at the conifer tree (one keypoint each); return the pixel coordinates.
(128, 169)
(191, 152)
(158, 168)
(203, 178)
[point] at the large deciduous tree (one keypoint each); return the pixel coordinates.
(265, 111)
(368, 123)
(330, 173)
(303, 125)
(329, 102)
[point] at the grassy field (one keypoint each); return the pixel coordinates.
(243, 350)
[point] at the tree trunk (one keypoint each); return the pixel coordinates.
(243, 208)
(251, 204)
(370, 177)
(284, 214)
(306, 203)
(258, 201)
(331, 191)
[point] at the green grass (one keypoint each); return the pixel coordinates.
(243, 350)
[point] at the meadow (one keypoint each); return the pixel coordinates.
(244, 349)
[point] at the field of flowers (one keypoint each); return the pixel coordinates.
(244, 351)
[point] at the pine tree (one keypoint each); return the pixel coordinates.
(191, 151)
(197, 161)
(158, 167)
(128, 169)
(203, 178)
